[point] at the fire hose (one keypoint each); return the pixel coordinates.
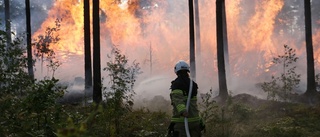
(187, 108)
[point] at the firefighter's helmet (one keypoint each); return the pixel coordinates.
(181, 65)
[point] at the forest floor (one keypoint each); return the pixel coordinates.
(247, 115)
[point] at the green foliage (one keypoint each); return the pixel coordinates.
(79, 121)
(143, 123)
(28, 107)
(283, 86)
(43, 95)
(42, 44)
(119, 94)
(35, 112)
(39, 108)
(223, 120)
(298, 121)
(245, 115)
(94, 120)
(13, 77)
(207, 106)
(43, 49)
(283, 127)
(122, 79)
(13, 83)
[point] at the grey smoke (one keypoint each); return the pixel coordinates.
(148, 87)
(39, 9)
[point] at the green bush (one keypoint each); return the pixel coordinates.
(28, 106)
(283, 86)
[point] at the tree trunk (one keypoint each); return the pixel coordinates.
(221, 45)
(225, 43)
(191, 34)
(87, 47)
(7, 21)
(311, 85)
(197, 31)
(29, 46)
(97, 91)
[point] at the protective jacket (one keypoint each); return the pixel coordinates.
(179, 96)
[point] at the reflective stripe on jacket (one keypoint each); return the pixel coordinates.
(178, 101)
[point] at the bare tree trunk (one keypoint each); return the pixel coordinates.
(225, 42)
(7, 21)
(221, 45)
(87, 47)
(197, 30)
(29, 46)
(97, 89)
(311, 85)
(192, 42)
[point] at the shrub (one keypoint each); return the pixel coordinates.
(119, 94)
(283, 86)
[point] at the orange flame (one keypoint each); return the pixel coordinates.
(164, 26)
(71, 33)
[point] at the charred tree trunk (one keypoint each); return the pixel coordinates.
(29, 46)
(7, 21)
(87, 47)
(191, 34)
(97, 89)
(311, 85)
(221, 45)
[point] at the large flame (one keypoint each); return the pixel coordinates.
(161, 26)
(252, 38)
(70, 12)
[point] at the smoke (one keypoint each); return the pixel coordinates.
(38, 11)
(155, 34)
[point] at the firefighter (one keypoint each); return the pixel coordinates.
(179, 95)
